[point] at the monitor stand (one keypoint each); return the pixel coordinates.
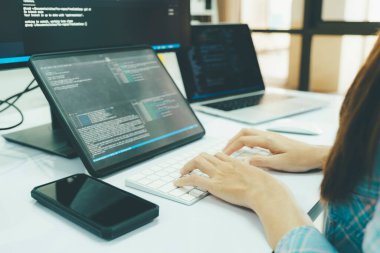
(49, 138)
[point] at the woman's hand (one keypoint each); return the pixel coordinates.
(287, 154)
(228, 178)
(244, 185)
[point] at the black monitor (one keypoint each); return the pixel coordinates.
(29, 27)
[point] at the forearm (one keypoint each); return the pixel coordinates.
(278, 211)
(275, 204)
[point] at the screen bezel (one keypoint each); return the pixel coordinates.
(186, 70)
(72, 133)
(184, 40)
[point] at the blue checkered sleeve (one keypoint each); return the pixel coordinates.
(306, 239)
(347, 223)
(371, 241)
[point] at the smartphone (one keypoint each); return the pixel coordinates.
(101, 208)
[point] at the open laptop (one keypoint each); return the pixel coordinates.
(117, 106)
(222, 77)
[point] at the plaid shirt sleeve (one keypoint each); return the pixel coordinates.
(371, 241)
(306, 239)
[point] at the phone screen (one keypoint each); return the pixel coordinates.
(95, 200)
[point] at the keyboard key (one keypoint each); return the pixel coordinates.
(167, 179)
(148, 172)
(168, 187)
(157, 184)
(161, 173)
(176, 166)
(177, 192)
(184, 190)
(170, 169)
(136, 177)
(175, 175)
(153, 177)
(196, 193)
(145, 181)
(188, 188)
(155, 168)
(188, 197)
(164, 165)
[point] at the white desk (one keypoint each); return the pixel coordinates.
(208, 226)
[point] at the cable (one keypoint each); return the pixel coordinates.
(18, 110)
(17, 96)
(9, 103)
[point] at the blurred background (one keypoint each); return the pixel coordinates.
(316, 45)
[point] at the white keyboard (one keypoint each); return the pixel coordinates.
(158, 178)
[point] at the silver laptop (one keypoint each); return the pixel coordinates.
(222, 77)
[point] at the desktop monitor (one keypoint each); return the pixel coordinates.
(29, 27)
(40, 26)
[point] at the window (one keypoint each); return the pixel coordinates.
(272, 48)
(318, 44)
(351, 10)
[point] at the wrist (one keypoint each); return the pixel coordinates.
(322, 153)
(266, 191)
(277, 209)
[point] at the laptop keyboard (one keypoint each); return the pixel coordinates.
(239, 103)
(234, 104)
(158, 179)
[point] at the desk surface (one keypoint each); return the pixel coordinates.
(207, 226)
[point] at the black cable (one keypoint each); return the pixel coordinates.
(16, 96)
(9, 103)
(18, 110)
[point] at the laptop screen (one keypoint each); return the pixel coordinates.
(221, 61)
(120, 106)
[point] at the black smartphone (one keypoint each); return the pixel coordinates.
(99, 207)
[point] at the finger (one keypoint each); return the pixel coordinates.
(201, 163)
(247, 141)
(193, 180)
(211, 158)
(248, 132)
(276, 162)
(243, 132)
(224, 157)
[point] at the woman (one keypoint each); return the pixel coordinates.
(350, 187)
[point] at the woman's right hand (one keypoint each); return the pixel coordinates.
(287, 154)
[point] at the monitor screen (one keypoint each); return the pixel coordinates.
(120, 106)
(221, 61)
(38, 26)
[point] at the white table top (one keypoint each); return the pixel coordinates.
(210, 225)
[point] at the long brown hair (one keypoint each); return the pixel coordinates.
(353, 155)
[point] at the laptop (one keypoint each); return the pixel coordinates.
(117, 106)
(222, 77)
